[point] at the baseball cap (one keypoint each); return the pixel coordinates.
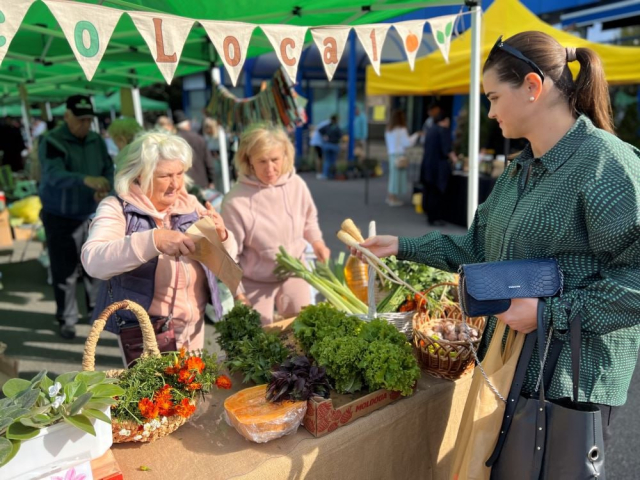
(80, 106)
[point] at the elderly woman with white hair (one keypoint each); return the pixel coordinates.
(137, 241)
(269, 207)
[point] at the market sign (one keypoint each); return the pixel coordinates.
(89, 28)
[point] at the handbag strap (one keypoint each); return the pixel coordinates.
(576, 344)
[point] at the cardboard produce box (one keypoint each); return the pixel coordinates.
(326, 415)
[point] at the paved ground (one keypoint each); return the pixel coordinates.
(26, 304)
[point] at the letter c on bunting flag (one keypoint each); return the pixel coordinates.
(287, 41)
(231, 40)
(88, 39)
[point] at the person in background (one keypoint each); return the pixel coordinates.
(12, 144)
(316, 142)
(434, 110)
(360, 132)
(210, 131)
(138, 244)
(331, 137)
(38, 127)
(77, 173)
(202, 171)
(397, 140)
(270, 207)
(122, 131)
(436, 168)
(165, 123)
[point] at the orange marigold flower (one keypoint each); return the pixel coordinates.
(223, 382)
(185, 409)
(185, 376)
(194, 386)
(148, 409)
(164, 401)
(183, 352)
(195, 364)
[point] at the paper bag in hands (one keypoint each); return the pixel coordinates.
(211, 253)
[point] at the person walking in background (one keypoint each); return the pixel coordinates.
(122, 131)
(210, 132)
(202, 171)
(360, 133)
(77, 173)
(436, 168)
(316, 142)
(397, 139)
(331, 136)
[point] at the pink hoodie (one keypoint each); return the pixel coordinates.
(108, 252)
(264, 217)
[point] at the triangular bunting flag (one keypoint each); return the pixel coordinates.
(330, 42)
(287, 41)
(11, 17)
(442, 28)
(88, 38)
(372, 39)
(165, 36)
(411, 34)
(231, 40)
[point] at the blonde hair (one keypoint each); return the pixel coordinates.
(257, 140)
(125, 128)
(141, 159)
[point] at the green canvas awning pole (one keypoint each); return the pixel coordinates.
(222, 140)
(474, 111)
(137, 106)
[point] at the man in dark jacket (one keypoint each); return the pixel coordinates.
(202, 170)
(77, 173)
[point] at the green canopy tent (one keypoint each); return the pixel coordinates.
(106, 104)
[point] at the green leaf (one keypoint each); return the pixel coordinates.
(18, 431)
(41, 418)
(90, 412)
(82, 422)
(14, 386)
(66, 378)
(440, 37)
(80, 402)
(106, 390)
(35, 381)
(28, 398)
(91, 378)
(28, 422)
(15, 412)
(448, 29)
(4, 423)
(110, 380)
(8, 450)
(100, 403)
(81, 390)
(46, 383)
(70, 390)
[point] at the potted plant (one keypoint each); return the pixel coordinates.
(48, 422)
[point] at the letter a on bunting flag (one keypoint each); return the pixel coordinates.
(231, 40)
(87, 29)
(330, 42)
(11, 17)
(165, 36)
(372, 38)
(287, 41)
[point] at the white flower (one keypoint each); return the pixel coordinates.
(146, 433)
(58, 401)
(54, 389)
(124, 432)
(164, 420)
(155, 424)
(137, 437)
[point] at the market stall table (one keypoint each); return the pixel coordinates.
(411, 438)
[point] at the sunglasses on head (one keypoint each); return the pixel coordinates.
(500, 45)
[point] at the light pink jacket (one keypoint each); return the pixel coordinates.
(264, 217)
(108, 252)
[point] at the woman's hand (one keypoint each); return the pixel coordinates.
(242, 299)
(522, 316)
(173, 243)
(321, 251)
(381, 246)
(217, 219)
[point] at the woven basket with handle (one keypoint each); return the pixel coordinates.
(439, 357)
(129, 430)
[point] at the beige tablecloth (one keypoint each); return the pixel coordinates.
(411, 438)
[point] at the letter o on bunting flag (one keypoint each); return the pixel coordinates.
(287, 41)
(11, 17)
(165, 36)
(411, 34)
(330, 42)
(372, 39)
(88, 38)
(442, 28)
(231, 40)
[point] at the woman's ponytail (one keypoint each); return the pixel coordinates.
(591, 94)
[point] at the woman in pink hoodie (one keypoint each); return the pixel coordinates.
(138, 245)
(269, 207)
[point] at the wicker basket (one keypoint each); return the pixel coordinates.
(129, 430)
(403, 321)
(448, 359)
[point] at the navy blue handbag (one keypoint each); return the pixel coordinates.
(487, 288)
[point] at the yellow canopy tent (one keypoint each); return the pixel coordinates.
(504, 17)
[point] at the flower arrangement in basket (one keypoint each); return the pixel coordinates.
(160, 391)
(441, 339)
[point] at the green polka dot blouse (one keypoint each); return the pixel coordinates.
(581, 206)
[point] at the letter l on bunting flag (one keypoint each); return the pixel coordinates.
(372, 38)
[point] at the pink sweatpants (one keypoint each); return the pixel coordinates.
(287, 297)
